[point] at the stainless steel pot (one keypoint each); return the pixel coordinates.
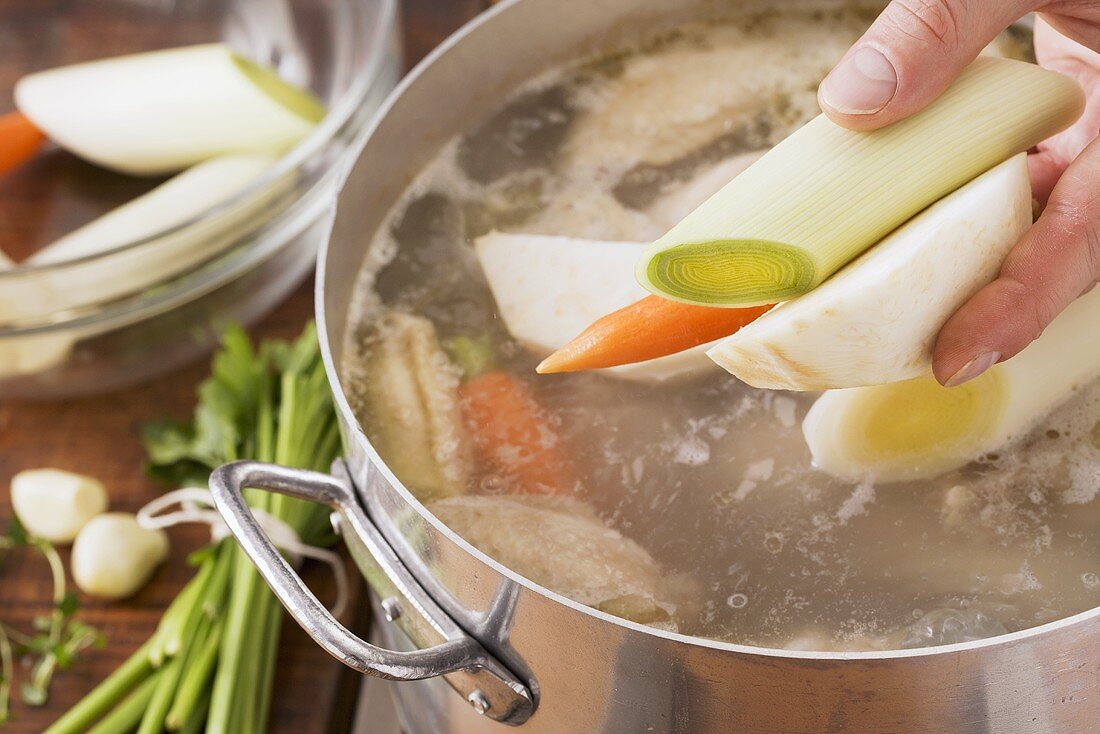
(515, 653)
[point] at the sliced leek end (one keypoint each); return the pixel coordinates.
(905, 430)
(732, 273)
(294, 100)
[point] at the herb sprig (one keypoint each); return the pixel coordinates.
(58, 637)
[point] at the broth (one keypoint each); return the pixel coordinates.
(710, 477)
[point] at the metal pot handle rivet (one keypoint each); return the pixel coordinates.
(445, 648)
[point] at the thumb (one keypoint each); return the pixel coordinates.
(911, 53)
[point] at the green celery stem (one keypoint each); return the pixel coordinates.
(195, 683)
(124, 718)
(152, 720)
(77, 719)
(197, 718)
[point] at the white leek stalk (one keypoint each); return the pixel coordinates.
(184, 202)
(84, 271)
(176, 202)
(163, 111)
(917, 429)
(825, 194)
(876, 320)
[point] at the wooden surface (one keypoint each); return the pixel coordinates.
(99, 436)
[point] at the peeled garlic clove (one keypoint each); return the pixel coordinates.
(55, 504)
(114, 556)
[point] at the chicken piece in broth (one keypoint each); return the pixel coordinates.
(560, 543)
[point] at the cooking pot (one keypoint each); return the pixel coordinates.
(480, 647)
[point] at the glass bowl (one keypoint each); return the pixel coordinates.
(144, 307)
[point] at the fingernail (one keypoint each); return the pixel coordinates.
(973, 368)
(863, 83)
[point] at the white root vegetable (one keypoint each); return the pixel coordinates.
(876, 320)
(55, 504)
(412, 399)
(160, 112)
(917, 429)
(113, 556)
(38, 294)
(176, 202)
(549, 289)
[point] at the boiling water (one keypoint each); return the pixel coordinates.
(710, 477)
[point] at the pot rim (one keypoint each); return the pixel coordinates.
(360, 437)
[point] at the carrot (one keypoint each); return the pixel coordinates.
(19, 140)
(512, 435)
(650, 328)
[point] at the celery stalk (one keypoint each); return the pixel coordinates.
(220, 635)
(127, 715)
(137, 668)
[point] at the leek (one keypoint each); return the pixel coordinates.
(159, 112)
(917, 429)
(876, 320)
(825, 194)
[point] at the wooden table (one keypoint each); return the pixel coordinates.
(99, 436)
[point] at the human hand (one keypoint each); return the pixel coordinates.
(908, 57)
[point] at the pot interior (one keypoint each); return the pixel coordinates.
(687, 502)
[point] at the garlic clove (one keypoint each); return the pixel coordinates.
(113, 556)
(55, 504)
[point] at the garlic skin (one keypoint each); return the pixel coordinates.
(53, 504)
(114, 556)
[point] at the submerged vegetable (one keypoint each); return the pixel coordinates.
(825, 194)
(917, 429)
(113, 556)
(548, 289)
(876, 320)
(55, 504)
(19, 141)
(647, 329)
(159, 112)
(411, 390)
(513, 435)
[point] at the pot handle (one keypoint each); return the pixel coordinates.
(446, 649)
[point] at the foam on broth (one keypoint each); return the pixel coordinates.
(709, 476)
